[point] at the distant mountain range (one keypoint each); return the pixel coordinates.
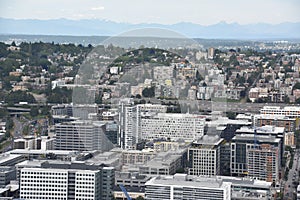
(99, 27)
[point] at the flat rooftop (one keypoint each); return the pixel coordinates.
(264, 129)
(39, 151)
(58, 164)
(286, 108)
(209, 140)
(259, 138)
(224, 121)
(184, 180)
(7, 156)
(274, 117)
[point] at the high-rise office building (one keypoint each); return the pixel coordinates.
(66, 181)
(81, 136)
(204, 156)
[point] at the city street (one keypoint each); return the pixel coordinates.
(290, 188)
(18, 128)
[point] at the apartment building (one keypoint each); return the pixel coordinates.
(290, 124)
(250, 154)
(130, 121)
(163, 73)
(263, 163)
(173, 126)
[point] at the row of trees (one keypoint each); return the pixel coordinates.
(19, 96)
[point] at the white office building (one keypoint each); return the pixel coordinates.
(65, 182)
(173, 126)
(182, 186)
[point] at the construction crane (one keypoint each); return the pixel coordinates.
(125, 192)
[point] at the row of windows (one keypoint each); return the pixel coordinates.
(83, 186)
(42, 193)
(41, 181)
(44, 197)
(41, 188)
(84, 183)
(45, 185)
(40, 178)
(44, 173)
(85, 174)
(85, 179)
(87, 192)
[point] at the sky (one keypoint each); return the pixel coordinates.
(204, 12)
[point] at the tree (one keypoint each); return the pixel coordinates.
(231, 115)
(149, 92)
(296, 86)
(60, 95)
(34, 111)
(9, 124)
(3, 113)
(19, 96)
(286, 99)
(45, 110)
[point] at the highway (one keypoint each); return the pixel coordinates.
(202, 105)
(230, 106)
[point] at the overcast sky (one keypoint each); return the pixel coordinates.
(204, 12)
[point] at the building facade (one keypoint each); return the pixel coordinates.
(263, 163)
(81, 136)
(290, 124)
(130, 116)
(288, 111)
(204, 156)
(173, 126)
(66, 182)
(256, 156)
(181, 186)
